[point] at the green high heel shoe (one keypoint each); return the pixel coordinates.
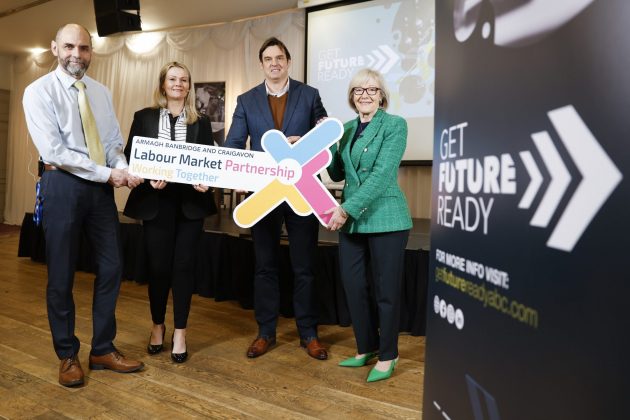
(354, 362)
(377, 375)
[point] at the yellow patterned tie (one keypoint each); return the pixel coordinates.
(92, 139)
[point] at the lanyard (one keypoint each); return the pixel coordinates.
(37, 212)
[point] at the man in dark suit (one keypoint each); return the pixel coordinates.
(293, 108)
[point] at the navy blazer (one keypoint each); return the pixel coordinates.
(252, 116)
(143, 201)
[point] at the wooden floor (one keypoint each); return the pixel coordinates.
(217, 381)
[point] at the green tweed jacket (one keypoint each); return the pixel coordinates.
(371, 195)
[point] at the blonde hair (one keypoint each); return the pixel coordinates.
(159, 96)
(361, 77)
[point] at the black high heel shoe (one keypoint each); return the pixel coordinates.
(156, 348)
(178, 357)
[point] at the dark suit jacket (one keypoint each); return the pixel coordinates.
(143, 202)
(252, 116)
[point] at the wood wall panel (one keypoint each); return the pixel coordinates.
(415, 181)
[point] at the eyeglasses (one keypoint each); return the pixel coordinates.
(370, 91)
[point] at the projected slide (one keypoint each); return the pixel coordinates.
(396, 38)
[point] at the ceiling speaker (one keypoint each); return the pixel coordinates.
(113, 16)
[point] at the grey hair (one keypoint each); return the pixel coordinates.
(363, 76)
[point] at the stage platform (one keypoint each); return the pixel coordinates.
(225, 267)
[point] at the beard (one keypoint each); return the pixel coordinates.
(74, 68)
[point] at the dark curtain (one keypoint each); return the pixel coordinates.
(225, 271)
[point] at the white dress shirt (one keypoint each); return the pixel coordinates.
(282, 91)
(52, 116)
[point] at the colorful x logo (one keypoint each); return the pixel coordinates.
(307, 195)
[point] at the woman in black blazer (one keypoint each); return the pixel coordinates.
(172, 213)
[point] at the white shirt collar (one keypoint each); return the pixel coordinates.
(66, 80)
(164, 112)
(282, 91)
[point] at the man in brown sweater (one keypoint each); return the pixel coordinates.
(294, 108)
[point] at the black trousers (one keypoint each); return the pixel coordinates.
(375, 326)
(171, 244)
(302, 231)
(71, 206)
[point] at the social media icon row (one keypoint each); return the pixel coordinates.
(448, 312)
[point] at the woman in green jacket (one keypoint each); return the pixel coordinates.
(373, 221)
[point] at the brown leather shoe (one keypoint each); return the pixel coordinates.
(70, 372)
(315, 349)
(260, 346)
(115, 361)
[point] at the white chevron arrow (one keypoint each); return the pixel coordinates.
(391, 56)
(536, 180)
(380, 57)
(369, 56)
(560, 179)
(600, 177)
